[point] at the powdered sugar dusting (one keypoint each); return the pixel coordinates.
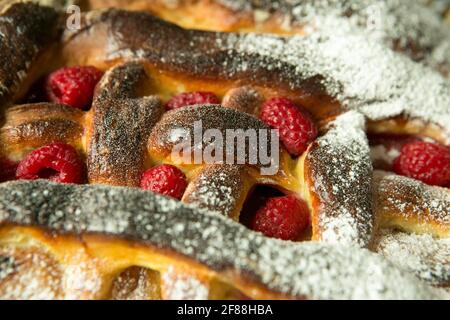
(179, 286)
(217, 188)
(342, 229)
(315, 270)
(403, 25)
(362, 75)
(411, 198)
(28, 275)
(422, 255)
(341, 170)
(81, 281)
(368, 79)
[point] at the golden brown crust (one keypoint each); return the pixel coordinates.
(204, 14)
(20, 50)
(334, 175)
(424, 39)
(411, 205)
(189, 58)
(337, 174)
(166, 134)
(121, 125)
(30, 126)
(96, 232)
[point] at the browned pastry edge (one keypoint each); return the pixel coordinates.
(411, 205)
(337, 175)
(174, 55)
(29, 126)
(298, 18)
(120, 127)
(211, 117)
(414, 127)
(150, 67)
(204, 15)
(221, 188)
(158, 226)
(20, 49)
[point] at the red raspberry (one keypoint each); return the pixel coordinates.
(191, 98)
(73, 86)
(7, 169)
(283, 217)
(165, 179)
(295, 125)
(424, 161)
(58, 162)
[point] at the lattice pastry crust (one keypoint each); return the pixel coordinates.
(87, 241)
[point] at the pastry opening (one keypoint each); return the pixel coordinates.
(255, 199)
(136, 283)
(48, 173)
(385, 148)
(293, 220)
(35, 94)
(412, 154)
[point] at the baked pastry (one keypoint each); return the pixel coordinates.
(424, 38)
(103, 234)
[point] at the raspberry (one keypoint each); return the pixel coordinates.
(7, 169)
(73, 86)
(191, 98)
(424, 161)
(58, 162)
(295, 126)
(283, 217)
(165, 179)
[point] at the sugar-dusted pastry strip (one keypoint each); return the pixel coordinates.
(104, 230)
(219, 187)
(336, 170)
(120, 126)
(425, 38)
(411, 205)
